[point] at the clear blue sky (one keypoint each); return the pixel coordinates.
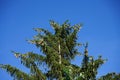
(101, 19)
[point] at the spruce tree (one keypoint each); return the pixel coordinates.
(58, 49)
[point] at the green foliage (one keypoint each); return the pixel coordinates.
(58, 49)
(16, 73)
(110, 76)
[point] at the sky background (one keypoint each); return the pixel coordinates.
(101, 28)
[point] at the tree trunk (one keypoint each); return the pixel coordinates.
(60, 62)
(59, 53)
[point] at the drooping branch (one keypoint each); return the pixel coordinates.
(29, 60)
(16, 73)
